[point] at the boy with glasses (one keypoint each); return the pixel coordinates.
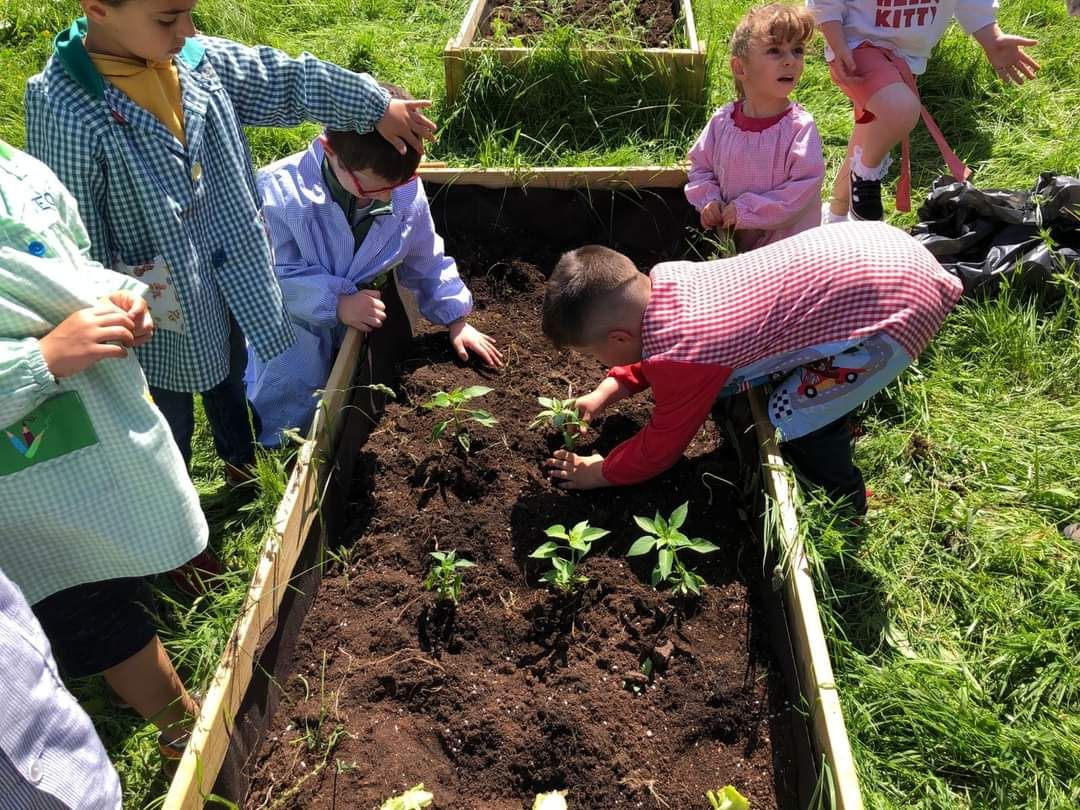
(343, 215)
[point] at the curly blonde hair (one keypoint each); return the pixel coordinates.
(775, 22)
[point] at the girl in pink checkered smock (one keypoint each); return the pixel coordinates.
(757, 168)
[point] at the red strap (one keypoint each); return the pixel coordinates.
(956, 166)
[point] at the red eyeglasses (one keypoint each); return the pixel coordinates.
(363, 192)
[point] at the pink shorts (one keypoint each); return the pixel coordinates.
(877, 68)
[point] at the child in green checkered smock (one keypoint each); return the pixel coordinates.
(166, 187)
(94, 495)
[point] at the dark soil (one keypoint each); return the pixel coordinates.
(519, 690)
(653, 19)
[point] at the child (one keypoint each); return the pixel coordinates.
(99, 498)
(875, 50)
(855, 305)
(757, 168)
(343, 216)
(141, 119)
(50, 755)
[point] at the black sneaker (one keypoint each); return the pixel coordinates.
(866, 199)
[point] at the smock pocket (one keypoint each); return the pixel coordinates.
(161, 296)
(58, 426)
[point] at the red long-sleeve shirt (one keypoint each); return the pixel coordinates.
(706, 320)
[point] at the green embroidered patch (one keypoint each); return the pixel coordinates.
(54, 428)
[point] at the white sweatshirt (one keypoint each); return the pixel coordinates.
(910, 27)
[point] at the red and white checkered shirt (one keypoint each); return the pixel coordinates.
(836, 283)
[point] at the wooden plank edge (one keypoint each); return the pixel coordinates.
(560, 177)
(691, 25)
(828, 725)
(470, 23)
(205, 752)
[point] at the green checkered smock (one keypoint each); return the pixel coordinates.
(188, 210)
(92, 486)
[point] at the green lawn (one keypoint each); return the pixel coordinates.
(954, 618)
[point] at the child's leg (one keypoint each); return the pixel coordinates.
(824, 459)
(108, 627)
(227, 411)
(148, 682)
(896, 111)
(178, 408)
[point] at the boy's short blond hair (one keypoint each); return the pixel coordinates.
(776, 22)
(585, 293)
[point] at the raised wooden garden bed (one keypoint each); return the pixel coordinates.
(681, 68)
(517, 690)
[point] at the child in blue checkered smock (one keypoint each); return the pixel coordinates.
(94, 495)
(167, 190)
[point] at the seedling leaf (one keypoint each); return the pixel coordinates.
(701, 546)
(678, 517)
(558, 530)
(643, 545)
(413, 799)
(546, 551)
(727, 798)
(474, 391)
(645, 523)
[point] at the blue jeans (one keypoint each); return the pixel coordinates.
(233, 425)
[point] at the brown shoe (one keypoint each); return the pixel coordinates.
(238, 476)
(199, 575)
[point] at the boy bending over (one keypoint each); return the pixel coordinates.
(343, 216)
(832, 315)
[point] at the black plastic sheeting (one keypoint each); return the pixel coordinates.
(984, 235)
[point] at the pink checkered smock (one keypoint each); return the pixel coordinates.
(771, 168)
(708, 320)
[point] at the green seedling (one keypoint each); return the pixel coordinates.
(413, 799)
(563, 575)
(665, 537)
(553, 800)
(562, 415)
(443, 578)
(727, 798)
(456, 424)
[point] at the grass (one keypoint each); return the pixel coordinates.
(954, 617)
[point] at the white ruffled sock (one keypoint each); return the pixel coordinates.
(864, 172)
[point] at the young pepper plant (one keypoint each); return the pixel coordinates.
(459, 414)
(562, 415)
(563, 575)
(665, 537)
(444, 577)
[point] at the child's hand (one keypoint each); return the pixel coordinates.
(577, 472)
(844, 61)
(591, 405)
(363, 310)
(466, 338)
(86, 336)
(404, 125)
(136, 308)
(711, 216)
(729, 217)
(1006, 54)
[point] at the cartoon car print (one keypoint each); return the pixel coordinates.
(822, 375)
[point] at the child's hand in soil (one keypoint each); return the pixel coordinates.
(577, 472)
(466, 338)
(1006, 54)
(363, 310)
(139, 312)
(404, 125)
(85, 337)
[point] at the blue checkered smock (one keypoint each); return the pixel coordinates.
(147, 198)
